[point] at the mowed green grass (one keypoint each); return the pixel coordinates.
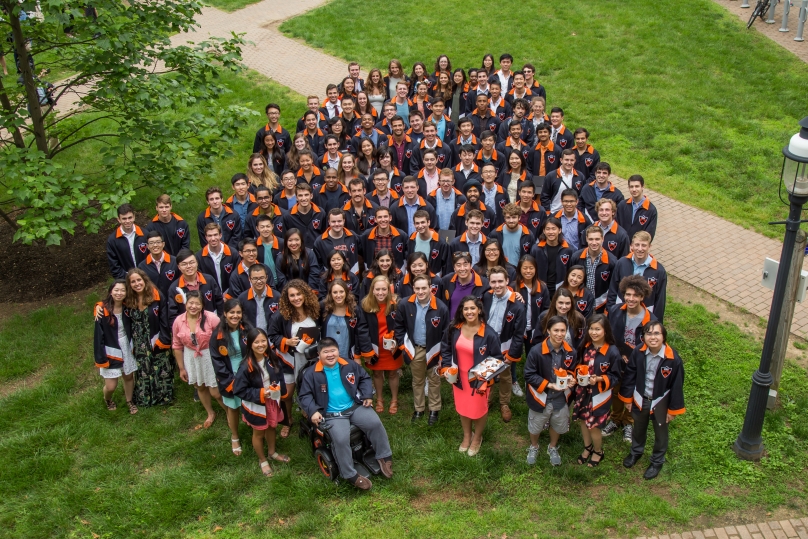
(73, 469)
(231, 5)
(679, 92)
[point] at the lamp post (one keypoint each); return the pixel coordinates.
(749, 444)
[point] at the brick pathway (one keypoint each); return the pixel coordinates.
(730, 273)
(772, 31)
(776, 529)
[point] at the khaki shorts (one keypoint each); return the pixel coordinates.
(559, 420)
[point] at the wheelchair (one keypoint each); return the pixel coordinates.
(364, 456)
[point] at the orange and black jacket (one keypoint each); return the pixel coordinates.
(584, 301)
(311, 225)
(539, 303)
(316, 140)
(668, 395)
(437, 322)
(356, 224)
(399, 245)
(448, 128)
(526, 240)
(503, 111)
(221, 346)
(455, 145)
(512, 332)
(251, 223)
(161, 279)
(400, 219)
(229, 222)
(539, 372)
(395, 192)
(282, 138)
(607, 364)
(358, 336)
(176, 233)
(409, 146)
(348, 245)
(615, 240)
(552, 184)
(536, 216)
(313, 392)
(405, 286)
(603, 273)
(485, 344)
(564, 138)
(504, 178)
(437, 250)
(450, 283)
(461, 244)
(497, 159)
(489, 122)
(583, 223)
(586, 162)
(386, 80)
(249, 387)
(315, 182)
(210, 291)
(445, 156)
(528, 133)
(107, 351)
(279, 332)
(617, 315)
(371, 322)
(562, 262)
(645, 218)
(326, 203)
(589, 195)
(367, 278)
(119, 256)
(657, 279)
(227, 265)
(250, 306)
(459, 199)
(458, 220)
(295, 270)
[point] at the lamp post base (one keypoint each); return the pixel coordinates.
(746, 451)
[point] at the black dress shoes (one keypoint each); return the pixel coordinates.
(631, 460)
(652, 471)
(416, 416)
(433, 418)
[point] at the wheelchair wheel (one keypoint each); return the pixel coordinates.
(326, 463)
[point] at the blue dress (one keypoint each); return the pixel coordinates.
(234, 353)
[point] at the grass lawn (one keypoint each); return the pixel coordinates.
(231, 5)
(73, 469)
(682, 93)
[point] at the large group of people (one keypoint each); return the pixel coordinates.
(430, 222)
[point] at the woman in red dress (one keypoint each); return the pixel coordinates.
(378, 311)
(468, 342)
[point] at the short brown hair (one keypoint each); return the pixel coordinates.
(594, 229)
(511, 209)
(212, 190)
(642, 235)
(608, 201)
(475, 214)
(638, 283)
(164, 199)
(213, 226)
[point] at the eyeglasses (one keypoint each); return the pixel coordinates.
(258, 279)
(259, 199)
(187, 264)
(250, 251)
(155, 243)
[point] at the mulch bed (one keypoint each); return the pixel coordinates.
(35, 272)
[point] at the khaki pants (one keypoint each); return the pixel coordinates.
(505, 389)
(419, 375)
(620, 415)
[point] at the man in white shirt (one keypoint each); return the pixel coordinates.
(504, 75)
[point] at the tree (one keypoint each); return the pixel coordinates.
(130, 83)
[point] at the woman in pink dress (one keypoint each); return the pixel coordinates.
(468, 342)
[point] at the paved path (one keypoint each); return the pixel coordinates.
(730, 273)
(775, 529)
(772, 31)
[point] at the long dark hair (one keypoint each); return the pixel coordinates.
(197, 295)
(252, 335)
(597, 318)
(482, 265)
(229, 305)
(458, 315)
(412, 257)
(289, 267)
(361, 163)
(526, 259)
(328, 272)
(575, 320)
(109, 303)
(578, 267)
(392, 273)
(488, 71)
(276, 154)
(555, 221)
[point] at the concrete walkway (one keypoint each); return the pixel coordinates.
(683, 231)
(775, 529)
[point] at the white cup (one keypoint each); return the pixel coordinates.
(389, 344)
(583, 380)
(450, 376)
(274, 394)
(561, 382)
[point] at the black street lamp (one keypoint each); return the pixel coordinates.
(749, 445)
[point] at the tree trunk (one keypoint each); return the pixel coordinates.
(31, 96)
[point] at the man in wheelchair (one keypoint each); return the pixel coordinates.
(340, 393)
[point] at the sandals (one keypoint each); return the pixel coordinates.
(111, 404)
(589, 449)
(236, 450)
(379, 406)
(266, 469)
(132, 408)
(393, 407)
(280, 458)
(596, 463)
(209, 421)
(285, 431)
